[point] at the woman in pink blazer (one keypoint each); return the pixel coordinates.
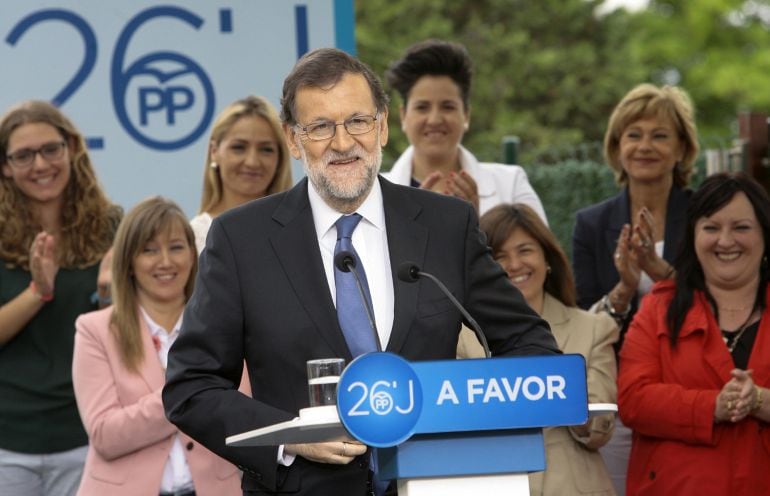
(119, 365)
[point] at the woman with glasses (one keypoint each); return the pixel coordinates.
(119, 363)
(56, 224)
(434, 81)
(247, 159)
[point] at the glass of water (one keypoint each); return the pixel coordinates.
(322, 377)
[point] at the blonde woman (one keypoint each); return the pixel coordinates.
(622, 245)
(247, 159)
(56, 224)
(119, 363)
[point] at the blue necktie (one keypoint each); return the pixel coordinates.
(351, 312)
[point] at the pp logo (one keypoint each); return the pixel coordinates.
(379, 399)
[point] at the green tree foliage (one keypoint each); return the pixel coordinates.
(548, 71)
(718, 50)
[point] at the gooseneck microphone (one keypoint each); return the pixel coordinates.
(346, 262)
(410, 272)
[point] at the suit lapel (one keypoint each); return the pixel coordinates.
(619, 215)
(296, 248)
(555, 313)
(407, 241)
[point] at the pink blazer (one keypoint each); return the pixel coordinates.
(129, 436)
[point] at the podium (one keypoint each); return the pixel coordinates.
(450, 427)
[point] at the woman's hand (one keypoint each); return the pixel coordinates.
(104, 279)
(643, 245)
(335, 452)
(42, 263)
(626, 261)
(736, 399)
(458, 184)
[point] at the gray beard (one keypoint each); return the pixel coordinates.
(343, 197)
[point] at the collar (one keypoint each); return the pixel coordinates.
(156, 329)
(324, 216)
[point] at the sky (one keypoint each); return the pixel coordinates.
(610, 5)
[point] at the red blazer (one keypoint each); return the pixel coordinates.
(129, 436)
(667, 396)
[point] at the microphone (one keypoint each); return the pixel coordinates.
(410, 272)
(346, 262)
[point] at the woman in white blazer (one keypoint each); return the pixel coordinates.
(433, 79)
(535, 263)
(119, 365)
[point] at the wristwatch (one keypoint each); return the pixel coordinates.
(614, 313)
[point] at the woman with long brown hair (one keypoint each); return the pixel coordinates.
(119, 363)
(56, 224)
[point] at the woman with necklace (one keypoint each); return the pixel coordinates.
(624, 244)
(695, 367)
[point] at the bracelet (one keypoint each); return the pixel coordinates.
(40, 296)
(757, 399)
(671, 271)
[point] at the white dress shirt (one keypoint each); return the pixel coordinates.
(176, 473)
(370, 240)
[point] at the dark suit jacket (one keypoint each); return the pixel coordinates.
(595, 238)
(262, 294)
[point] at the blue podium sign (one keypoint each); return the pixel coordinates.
(383, 399)
(379, 409)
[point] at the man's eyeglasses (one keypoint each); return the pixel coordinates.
(23, 158)
(323, 130)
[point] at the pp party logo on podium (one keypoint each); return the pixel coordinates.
(383, 399)
(379, 399)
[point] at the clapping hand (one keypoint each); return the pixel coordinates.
(42, 263)
(643, 245)
(458, 184)
(735, 400)
(626, 261)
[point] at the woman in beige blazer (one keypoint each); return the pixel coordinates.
(119, 364)
(536, 264)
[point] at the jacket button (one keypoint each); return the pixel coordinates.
(189, 446)
(652, 475)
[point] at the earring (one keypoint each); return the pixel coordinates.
(214, 165)
(547, 269)
(465, 126)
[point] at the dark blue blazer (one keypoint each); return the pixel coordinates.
(595, 238)
(261, 295)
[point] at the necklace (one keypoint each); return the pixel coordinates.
(736, 334)
(734, 309)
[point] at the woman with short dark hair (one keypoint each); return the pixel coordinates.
(434, 81)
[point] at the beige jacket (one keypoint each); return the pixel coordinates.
(574, 466)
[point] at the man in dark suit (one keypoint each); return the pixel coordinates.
(266, 289)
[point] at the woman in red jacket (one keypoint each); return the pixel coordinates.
(695, 367)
